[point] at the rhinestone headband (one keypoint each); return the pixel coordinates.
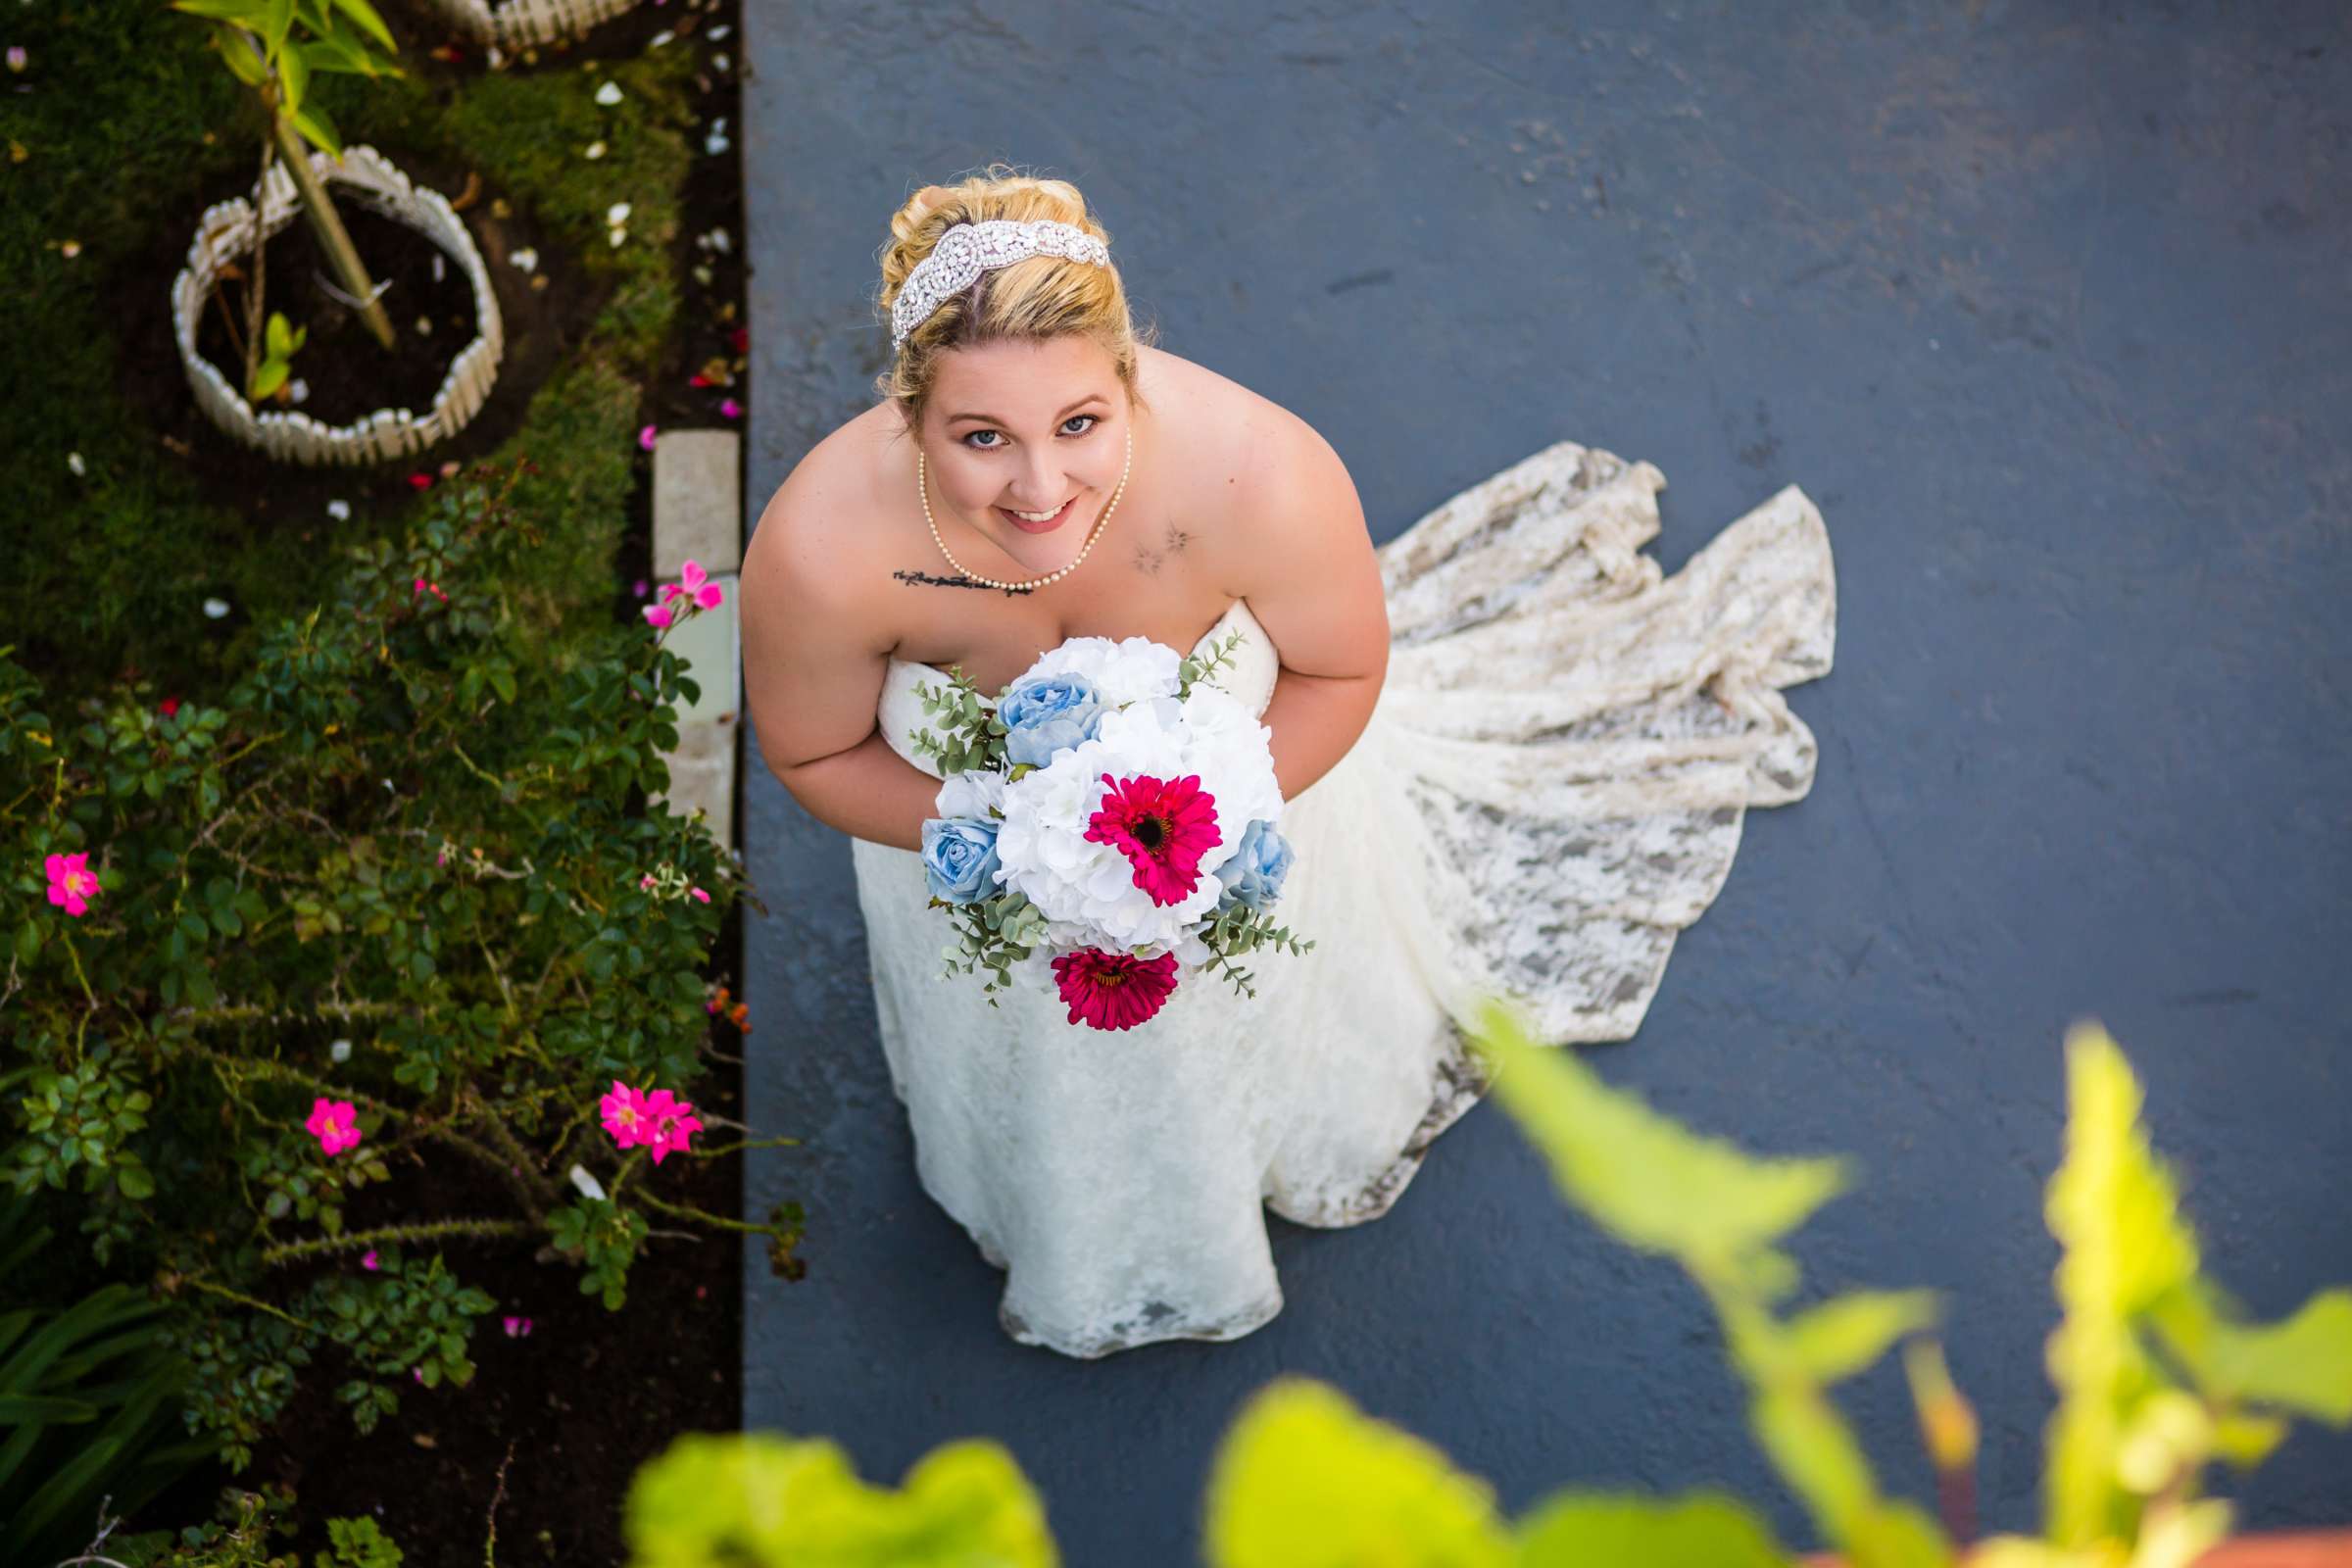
(966, 250)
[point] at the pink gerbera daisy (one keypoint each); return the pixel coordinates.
(1114, 989)
(1163, 826)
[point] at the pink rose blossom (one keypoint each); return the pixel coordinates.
(332, 1123)
(659, 614)
(517, 1327)
(625, 1115)
(419, 1371)
(638, 588)
(730, 410)
(707, 595)
(674, 1121)
(645, 437)
(699, 893)
(369, 1261)
(71, 884)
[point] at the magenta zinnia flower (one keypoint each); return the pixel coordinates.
(1163, 826)
(1114, 989)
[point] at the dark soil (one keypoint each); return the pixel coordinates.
(344, 372)
(574, 1410)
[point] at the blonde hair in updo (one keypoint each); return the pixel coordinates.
(1036, 298)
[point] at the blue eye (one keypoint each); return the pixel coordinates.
(1092, 419)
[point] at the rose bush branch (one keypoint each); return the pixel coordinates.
(404, 813)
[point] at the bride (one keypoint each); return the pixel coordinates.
(1515, 758)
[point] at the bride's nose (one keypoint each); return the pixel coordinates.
(1040, 492)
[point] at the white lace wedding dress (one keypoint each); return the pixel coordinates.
(1551, 788)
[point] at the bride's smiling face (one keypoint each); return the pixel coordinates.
(1015, 427)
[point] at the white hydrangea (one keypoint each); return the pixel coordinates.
(971, 794)
(1129, 670)
(1087, 891)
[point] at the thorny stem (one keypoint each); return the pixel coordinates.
(424, 1230)
(242, 1299)
(723, 1222)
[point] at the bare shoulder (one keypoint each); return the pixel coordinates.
(1260, 468)
(814, 548)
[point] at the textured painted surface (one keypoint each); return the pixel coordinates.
(2049, 311)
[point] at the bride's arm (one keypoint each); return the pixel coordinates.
(813, 677)
(1313, 582)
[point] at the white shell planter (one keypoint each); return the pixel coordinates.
(226, 233)
(524, 24)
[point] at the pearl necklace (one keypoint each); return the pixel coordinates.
(922, 489)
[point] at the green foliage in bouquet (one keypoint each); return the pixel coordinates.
(2157, 1377)
(404, 865)
(996, 933)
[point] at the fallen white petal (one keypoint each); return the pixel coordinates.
(588, 1184)
(215, 608)
(609, 94)
(340, 510)
(527, 259)
(618, 213)
(74, 462)
(594, 150)
(340, 1050)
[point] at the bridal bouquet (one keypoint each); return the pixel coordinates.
(1111, 819)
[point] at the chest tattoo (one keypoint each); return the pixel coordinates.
(926, 581)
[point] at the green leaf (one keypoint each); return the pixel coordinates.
(2303, 1364)
(134, 1182)
(253, 13)
(29, 941)
(1842, 1336)
(1584, 1530)
(238, 55)
(293, 73)
(1304, 1480)
(320, 132)
(280, 337)
(1651, 1182)
(2115, 1210)
(758, 1498)
(360, 12)
(278, 22)
(268, 377)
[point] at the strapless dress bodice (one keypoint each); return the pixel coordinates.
(1249, 676)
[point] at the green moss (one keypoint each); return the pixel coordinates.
(109, 568)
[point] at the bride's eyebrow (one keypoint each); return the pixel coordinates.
(1091, 397)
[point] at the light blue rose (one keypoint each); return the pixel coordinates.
(1048, 713)
(960, 858)
(1255, 874)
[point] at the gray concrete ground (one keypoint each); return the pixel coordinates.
(2047, 306)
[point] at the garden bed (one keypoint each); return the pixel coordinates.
(609, 345)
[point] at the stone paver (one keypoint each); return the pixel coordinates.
(698, 501)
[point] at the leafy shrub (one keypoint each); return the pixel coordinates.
(2157, 1377)
(401, 874)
